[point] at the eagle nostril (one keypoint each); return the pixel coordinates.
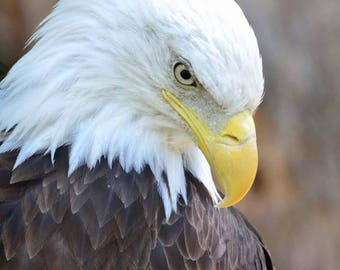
(232, 137)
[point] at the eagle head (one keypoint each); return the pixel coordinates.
(167, 84)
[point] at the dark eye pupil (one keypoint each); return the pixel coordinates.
(186, 75)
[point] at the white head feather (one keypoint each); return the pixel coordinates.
(93, 81)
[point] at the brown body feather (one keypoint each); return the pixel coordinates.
(108, 219)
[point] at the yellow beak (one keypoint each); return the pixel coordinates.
(232, 154)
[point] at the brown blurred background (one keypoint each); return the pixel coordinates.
(295, 203)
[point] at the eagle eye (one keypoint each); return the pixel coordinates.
(183, 75)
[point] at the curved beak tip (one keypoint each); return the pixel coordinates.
(234, 166)
(226, 202)
(234, 172)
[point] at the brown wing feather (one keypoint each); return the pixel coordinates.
(211, 238)
(108, 219)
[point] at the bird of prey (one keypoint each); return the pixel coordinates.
(126, 137)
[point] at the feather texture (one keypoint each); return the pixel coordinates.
(117, 222)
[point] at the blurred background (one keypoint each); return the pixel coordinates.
(295, 203)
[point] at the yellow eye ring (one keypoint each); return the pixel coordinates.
(183, 75)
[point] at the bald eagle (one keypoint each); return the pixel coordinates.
(126, 135)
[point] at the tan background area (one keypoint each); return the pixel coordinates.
(295, 203)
